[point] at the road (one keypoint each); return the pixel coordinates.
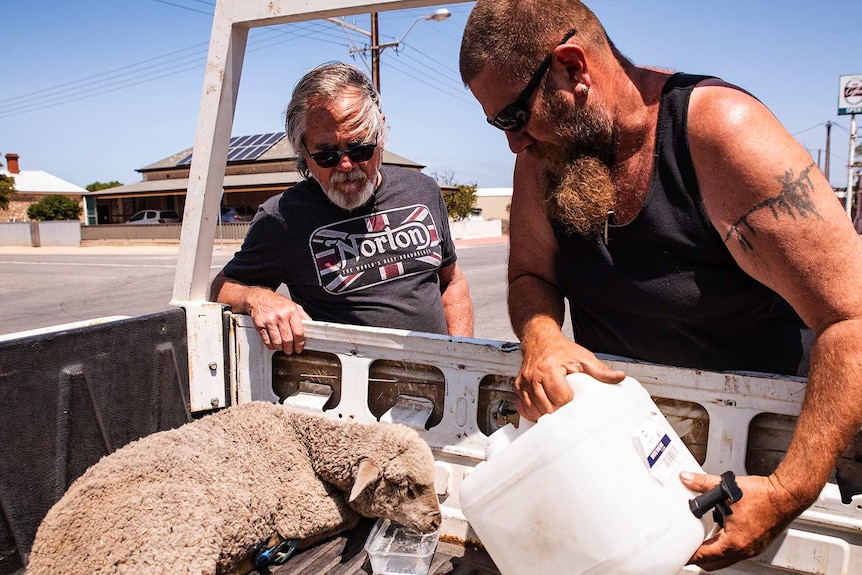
(42, 287)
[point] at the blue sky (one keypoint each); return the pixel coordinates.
(94, 89)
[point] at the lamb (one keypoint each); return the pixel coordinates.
(201, 499)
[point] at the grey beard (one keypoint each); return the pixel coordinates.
(349, 201)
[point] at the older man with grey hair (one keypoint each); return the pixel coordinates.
(355, 242)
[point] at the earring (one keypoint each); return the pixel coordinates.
(585, 89)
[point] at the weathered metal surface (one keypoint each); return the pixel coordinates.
(718, 415)
(209, 385)
(69, 397)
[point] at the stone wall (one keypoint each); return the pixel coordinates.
(18, 204)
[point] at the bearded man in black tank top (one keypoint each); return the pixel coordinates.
(684, 226)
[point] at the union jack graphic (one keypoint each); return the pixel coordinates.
(362, 252)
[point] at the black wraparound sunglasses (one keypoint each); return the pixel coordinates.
(516, 115)
(331, 158)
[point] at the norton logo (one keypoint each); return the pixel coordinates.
(370, 250)
(853, 92)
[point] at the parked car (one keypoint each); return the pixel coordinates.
(237, 214)
(147, 217)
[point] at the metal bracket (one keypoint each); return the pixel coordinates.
(206, 356)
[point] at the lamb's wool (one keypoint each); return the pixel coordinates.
(202, 497)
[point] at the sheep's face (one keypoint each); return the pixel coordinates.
(403, 490)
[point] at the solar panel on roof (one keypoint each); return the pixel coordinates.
(244, 148)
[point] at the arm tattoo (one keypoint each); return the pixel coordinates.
(794, 197)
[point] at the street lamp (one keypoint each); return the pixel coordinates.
(376, 48)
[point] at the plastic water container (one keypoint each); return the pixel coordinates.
(395, 550)
(591, 488)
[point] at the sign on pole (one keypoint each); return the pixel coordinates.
(850, 95)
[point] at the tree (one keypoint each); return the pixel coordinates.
(7, 189)
(96, 186)
(54, 208)
(460, 201)
(445, 177)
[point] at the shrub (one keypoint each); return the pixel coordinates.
(460, 201)
(7, 190)
(54, 208)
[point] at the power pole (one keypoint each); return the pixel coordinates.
(376, 47)
(375, 53)
(828, 140)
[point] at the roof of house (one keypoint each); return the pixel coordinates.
(248, 150)
(260, 148)
(172, 185)
(39, 182)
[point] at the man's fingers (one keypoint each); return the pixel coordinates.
(288, 345)
(284, 330)
(699, 482)
(557, 395)
(601, 372)
(267, 341)
(711, 555)
(297, 330)
(525, 408)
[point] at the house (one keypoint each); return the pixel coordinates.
(494, 203)
(32, 186)
(258, 167)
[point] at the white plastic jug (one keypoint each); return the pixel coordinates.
(591, 488)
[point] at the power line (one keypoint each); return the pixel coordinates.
(809, 129)
(101, 74)
(190, 58)
(434, 86)
(443, 75)
(165, 66)
(186, 7)
(846, 130)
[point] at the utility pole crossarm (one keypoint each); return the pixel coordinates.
(376, 47)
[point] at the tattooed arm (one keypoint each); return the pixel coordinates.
(784, 226)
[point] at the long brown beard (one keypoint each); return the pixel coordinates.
(578, 188)
(579, 195)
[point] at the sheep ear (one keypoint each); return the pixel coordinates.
(367, 474)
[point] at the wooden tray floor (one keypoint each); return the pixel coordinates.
(345, 555)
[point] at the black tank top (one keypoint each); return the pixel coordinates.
(665, 289)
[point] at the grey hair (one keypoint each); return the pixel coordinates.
(329, 82)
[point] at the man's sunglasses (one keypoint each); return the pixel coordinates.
(331, 158)
(516, 115)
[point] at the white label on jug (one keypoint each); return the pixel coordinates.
(657, 449)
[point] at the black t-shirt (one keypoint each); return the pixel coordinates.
(376, 265)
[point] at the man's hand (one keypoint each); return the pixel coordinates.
(541, 385)
(765, 510)
(278, 320)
